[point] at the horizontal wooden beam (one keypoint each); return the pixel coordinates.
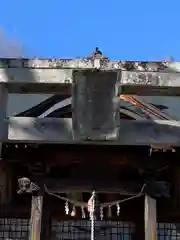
(101, 184)
(82, 185)
(147, 90)
(24, 80)
(43, 77)
(88, 63)
(63, 89)
(54, 130)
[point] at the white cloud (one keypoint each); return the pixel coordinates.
(9, 47)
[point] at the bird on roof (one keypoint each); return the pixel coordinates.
(97, 53)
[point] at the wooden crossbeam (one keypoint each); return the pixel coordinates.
(56, 76)
(24, 80)
(103, 184)
(63, 89)
(53, 130)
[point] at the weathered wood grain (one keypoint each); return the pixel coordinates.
(27, 76)
(36, 217)
(150, 218)
(95, 104)
(102, 184)
(52, 130)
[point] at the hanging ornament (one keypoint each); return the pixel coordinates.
(101, 213)
(66, 207)
(73, 213)
(91, 209)
(83, 212)
(118, 209)
(91, 206)
(109, 211)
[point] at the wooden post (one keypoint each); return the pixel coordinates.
(37, 191)
(3, 106)
(150, 218)
(36, 216)
(37, 187)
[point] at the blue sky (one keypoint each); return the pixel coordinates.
(128, 30)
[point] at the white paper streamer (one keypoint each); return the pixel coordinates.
(101, 213)
(66, 207)
(73, 213)
(118, 209)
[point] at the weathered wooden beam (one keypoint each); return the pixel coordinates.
(101, 184)
(86, 185)
(88, 63)
(150, 218)
(3, 106)
(54, 130)
(39, 129)
(60, 80)
(149, 90)
(144, 83)
(24, 80)
(40, 87)
(27, 76)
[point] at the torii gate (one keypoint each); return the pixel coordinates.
(95, 84)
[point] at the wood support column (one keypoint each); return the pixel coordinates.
(36, 216)
(3, 107)
(150, 218)
(37, 204)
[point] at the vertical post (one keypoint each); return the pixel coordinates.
(26, 186)
(176, 183)
(36, 216)
(37, 187)
(150, 218)
(3, 106)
